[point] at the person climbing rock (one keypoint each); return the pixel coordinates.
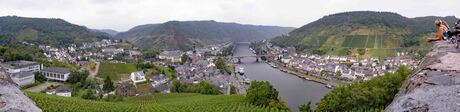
(442, 30)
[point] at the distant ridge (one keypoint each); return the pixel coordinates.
(383, 33)
(184, 34)
(54, 32)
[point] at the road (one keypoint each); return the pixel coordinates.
(94, 73)
(43, 86)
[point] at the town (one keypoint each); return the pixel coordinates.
(328, 68)
(154, 73)
(134, 71)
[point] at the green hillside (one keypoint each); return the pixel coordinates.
(44, 31)
(149, 103)
(382, 33)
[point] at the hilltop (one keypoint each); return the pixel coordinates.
(185, 34)
(44, 31)
(383, 33)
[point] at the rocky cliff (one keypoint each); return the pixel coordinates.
(11, 97)
(434, 86)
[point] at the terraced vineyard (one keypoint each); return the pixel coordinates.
(149, 103)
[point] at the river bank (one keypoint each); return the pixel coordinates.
(305, 76)
(292, 89)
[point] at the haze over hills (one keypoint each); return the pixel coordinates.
(109, 31)
(184, 34)
(54, 32)
(383, 33)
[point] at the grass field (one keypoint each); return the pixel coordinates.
(115, 70)
(183, 102)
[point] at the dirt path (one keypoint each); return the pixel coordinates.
(94, 73)
(42, 86)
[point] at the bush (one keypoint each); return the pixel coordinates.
(203, 88)
(262, 93)
(89, 94)
(374, 94)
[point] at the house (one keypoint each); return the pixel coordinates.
(133, 53)
(286, 59)
(23, 78)
(138, 76)
(63, 91)
(56, 73)
(50, 92)
(173, 56)
(112, 50)
(158, 80)
(21, 66)
(125, 89)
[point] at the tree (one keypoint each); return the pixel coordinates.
(75, 77)
(90, 83)
(207, 88)
(305, 107)
(89, 94)
(108, 85)
(262, 93)
(220, 63)
(151, 53)
(361, 51)
(374, 94)
(39, 77)
(178, 87)
(232, 90)
(184, 58)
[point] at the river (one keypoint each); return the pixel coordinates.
(292, 89)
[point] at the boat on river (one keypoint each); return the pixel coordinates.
(240, 70)
(329, 86)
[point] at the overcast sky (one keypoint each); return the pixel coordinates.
(122, 15)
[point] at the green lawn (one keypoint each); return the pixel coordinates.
(182, 102)
(115, 70)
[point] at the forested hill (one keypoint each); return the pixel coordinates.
(108, 31)
(184, 34)
(382, 33)
(55, 32)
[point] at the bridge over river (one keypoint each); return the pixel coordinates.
(292, 89)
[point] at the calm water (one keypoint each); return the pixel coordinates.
(295, 91)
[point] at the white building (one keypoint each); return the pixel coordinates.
(173, 56)
(23, 78)
(138, 76)
(63, 91)
(56, 73)
(21, 72)
(21, 66)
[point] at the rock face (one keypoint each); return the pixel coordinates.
(434, 86)
(11, 97)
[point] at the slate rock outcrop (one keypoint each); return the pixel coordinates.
(435, 84)
(12, 99)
